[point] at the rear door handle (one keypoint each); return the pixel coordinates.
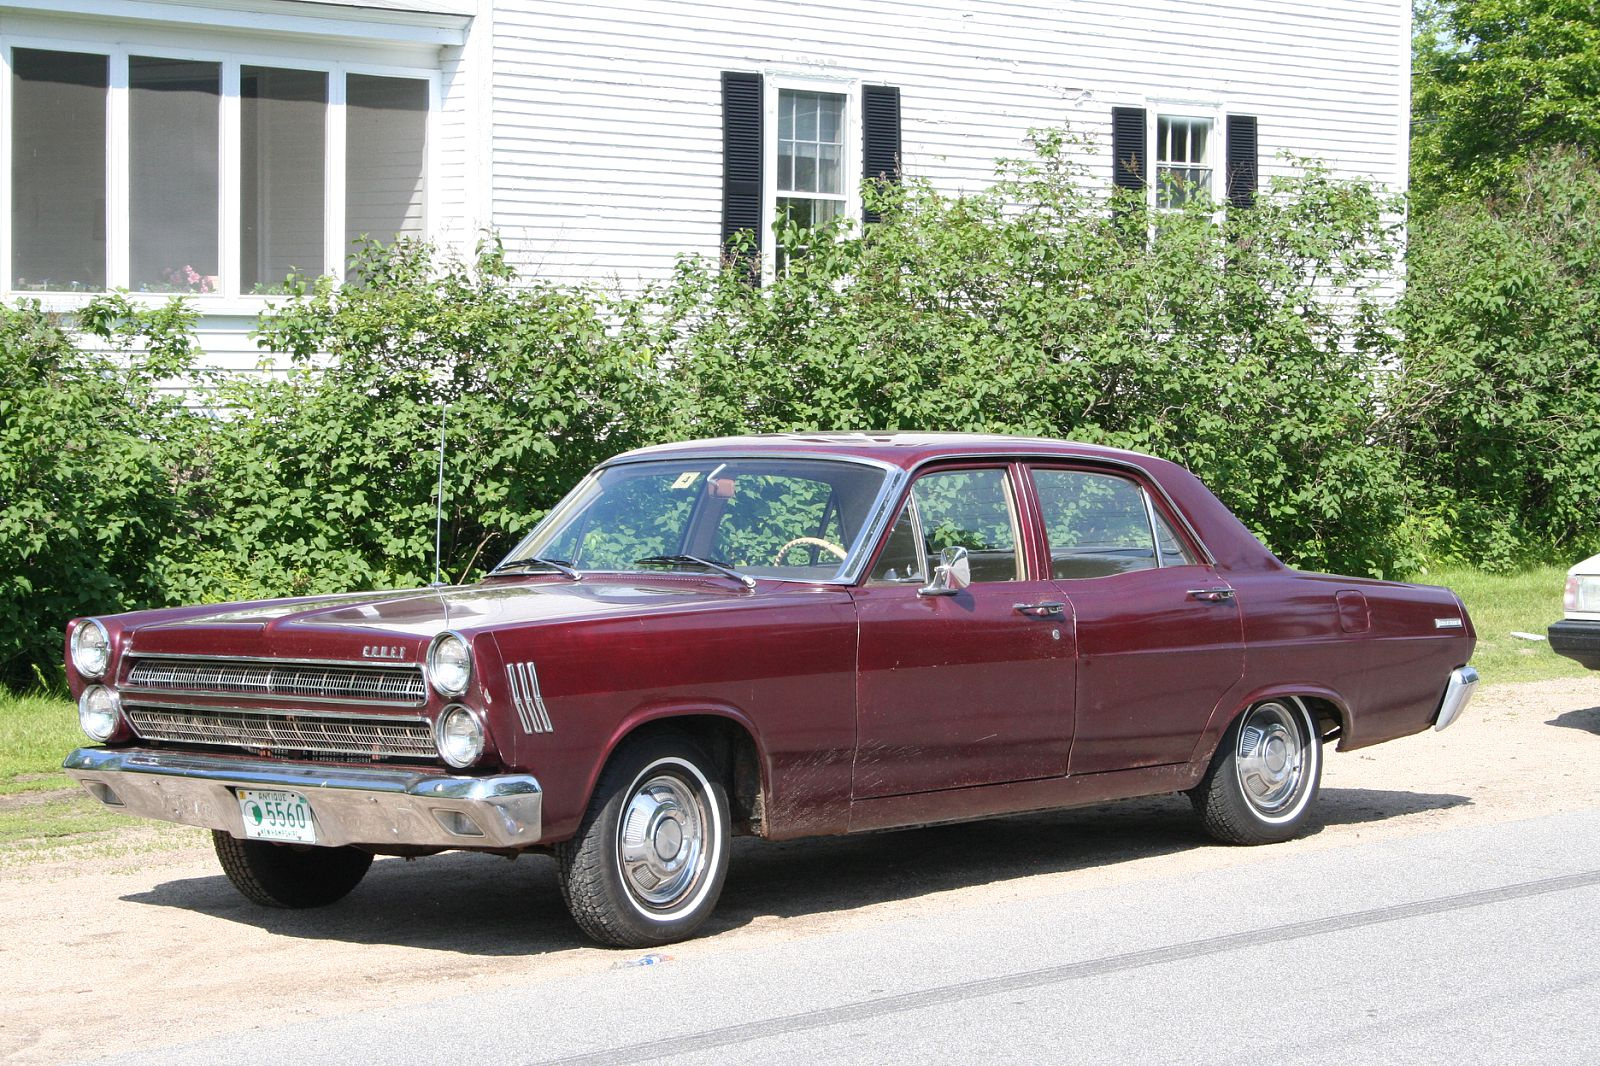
(1045, 609)
(1217, 595)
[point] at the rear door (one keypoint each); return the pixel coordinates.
(1159, 634)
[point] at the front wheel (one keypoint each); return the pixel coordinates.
(1264, 777)
(290, 875)
(649, 859)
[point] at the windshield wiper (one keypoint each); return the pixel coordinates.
(560, 566)
(695, 560)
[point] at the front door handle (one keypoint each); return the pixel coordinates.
(1045, 609)
(1217, 595)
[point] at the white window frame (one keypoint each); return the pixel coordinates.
(1216, 143)
(774, 83)
(227, 299)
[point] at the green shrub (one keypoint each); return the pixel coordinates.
(325, 478)
(1499, 401)
(1245, 350)
(93, 469)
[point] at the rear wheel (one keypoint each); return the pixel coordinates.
(1264, 777)
(290, 875)
(647, 864)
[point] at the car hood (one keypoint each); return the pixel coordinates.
(398, 626)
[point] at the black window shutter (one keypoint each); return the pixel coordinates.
(741, 154)
(880, 135)
(1128, 163)
(1242, 155)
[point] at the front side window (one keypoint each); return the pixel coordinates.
(194, 174)
(1183, 160)
(785, 518)
(970, 509)
(811, 160)
(58, 170)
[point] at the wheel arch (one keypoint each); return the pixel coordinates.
(1331, 710)
(726, 735)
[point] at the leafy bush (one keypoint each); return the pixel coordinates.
(1245, 349)
(91, 481)
(1501, 387)
(326, 478)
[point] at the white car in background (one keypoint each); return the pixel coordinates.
(1577, 636)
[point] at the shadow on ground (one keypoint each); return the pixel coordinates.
(1587, 720)
(488, 906)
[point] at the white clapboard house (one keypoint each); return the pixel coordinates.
(211, 147)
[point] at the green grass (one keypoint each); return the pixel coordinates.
(36, 732)
(1500, 604)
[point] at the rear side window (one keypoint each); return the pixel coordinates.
(1099, 525)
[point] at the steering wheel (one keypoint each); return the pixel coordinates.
(777, 556)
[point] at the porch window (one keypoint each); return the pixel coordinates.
(58, 170)
(204, 176)
(283, 116)
(174, 188)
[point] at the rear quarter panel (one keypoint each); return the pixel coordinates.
(1387, 676)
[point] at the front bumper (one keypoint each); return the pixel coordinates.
(374, 806)
(1577, 639)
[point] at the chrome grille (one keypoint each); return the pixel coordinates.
(352, 737)
(320, 682)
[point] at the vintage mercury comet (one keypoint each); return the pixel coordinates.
(781, 635)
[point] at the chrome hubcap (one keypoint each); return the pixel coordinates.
(661, 841)
(1271, 758)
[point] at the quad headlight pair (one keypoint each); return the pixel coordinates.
(458, 733)
(99, 709)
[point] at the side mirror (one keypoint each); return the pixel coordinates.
(953, 574)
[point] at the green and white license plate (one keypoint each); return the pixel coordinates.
(272, 815)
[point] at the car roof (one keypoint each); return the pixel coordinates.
(900, 449)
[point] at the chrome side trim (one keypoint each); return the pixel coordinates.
(1457, 694)
(379, 807)
(525, 694)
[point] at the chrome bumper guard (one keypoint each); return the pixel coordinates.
(377, 806)
(1456, 696)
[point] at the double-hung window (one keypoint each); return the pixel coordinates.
(204, 174)
(811, 160)
(1199, 153)
(1183, 160)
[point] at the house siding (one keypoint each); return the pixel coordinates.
(606, 117)
(588, 137)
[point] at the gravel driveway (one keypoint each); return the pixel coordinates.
(153, 949)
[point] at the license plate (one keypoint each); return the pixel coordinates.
(276, 816)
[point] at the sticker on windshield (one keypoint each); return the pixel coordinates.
(685, 479)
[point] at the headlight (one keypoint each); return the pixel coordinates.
(99, 711)
(459, 736)
(91, 649)
(449, 664)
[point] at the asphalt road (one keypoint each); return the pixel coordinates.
(1469, 945)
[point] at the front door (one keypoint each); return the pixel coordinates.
(961, 690)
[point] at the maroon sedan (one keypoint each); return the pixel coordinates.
(787, 636)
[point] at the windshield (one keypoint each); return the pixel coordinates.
(786, 518)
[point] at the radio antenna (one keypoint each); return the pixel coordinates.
(438, 513)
